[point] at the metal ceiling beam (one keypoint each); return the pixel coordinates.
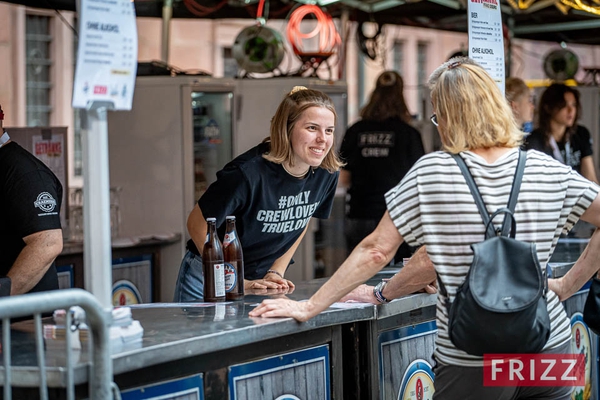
(448, 3)
(372, 7)
(562, 26)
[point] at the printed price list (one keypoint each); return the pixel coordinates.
(107, 53)
(486, 43)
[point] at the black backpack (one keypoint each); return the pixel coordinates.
(501, 305)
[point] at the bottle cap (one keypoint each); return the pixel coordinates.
(230, 217)
(211, 219)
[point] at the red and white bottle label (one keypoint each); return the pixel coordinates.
(230, 277)
(229, 237)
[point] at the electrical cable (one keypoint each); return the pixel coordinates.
(252, 10)
(368, 45)
(329, 38)
(259, 12)
(64, 21)
(202, 11)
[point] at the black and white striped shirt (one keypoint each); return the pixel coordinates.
(433, 206)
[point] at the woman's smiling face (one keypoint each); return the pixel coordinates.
(312, 137)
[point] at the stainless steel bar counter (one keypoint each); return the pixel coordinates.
(222, 352)
(350, 351)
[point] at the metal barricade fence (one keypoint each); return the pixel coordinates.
(100, 385)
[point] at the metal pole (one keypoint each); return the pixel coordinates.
(96, 205)
(167, 13)
(345, 27)
(511, 34)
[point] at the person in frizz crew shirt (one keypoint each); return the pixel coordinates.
(378, 151)
(273, 190)
(30, 229)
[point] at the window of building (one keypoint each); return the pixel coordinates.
(398, 61)
(38, 85)
(422, 76)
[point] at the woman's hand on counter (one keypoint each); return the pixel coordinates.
(279, 280)
(270, 281)
(362, 294)
(269, 292)
(300, 311)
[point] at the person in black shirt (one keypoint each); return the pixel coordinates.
(30, 229)
(378, 151)
(558, 133)
(273, 190)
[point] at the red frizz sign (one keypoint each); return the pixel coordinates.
(48, 148)
(99, 89)
(533, 370)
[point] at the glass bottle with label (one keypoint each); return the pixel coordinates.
(213, 264)
(234, 261)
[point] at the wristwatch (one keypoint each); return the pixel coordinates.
(378, 292)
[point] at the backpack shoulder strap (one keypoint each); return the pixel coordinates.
(509, 210)
(514, 192)
(512, 200)
(475, 193)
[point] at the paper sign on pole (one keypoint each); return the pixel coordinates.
(486, 43)
(107, 53)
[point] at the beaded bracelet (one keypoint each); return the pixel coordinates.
(271, 271)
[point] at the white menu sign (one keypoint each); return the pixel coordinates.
(486, 43)
(107, 53)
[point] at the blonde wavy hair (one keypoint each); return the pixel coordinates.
(289, 111)
(473, 112)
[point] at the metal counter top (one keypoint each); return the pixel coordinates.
(172, 331)
(76, 247)
(175, 331)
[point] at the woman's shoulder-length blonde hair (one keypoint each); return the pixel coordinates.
(289, 111)
(474, 112)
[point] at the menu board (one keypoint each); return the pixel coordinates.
(486, 43)
(107, 54)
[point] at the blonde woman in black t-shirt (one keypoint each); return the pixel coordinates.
(273, 190)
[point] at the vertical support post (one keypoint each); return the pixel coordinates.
(344, 26)
(167, 13)
(508, 62)
(96, 205)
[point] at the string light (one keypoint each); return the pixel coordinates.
(562, 5)
(585, 7)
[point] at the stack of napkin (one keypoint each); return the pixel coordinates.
(125, 332)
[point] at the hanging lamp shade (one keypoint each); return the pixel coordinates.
(258, 49)
(561, 64)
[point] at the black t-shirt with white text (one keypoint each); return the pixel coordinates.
(271, 207)
(377, 154)
(30, 200)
